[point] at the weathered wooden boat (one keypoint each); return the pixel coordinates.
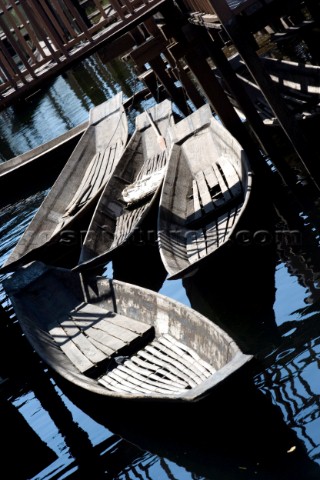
(47, 158)
(117, 339)
(80, 182)
(298, 83)
(133, 187)
(205, 191)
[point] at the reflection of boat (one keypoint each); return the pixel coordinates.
(80, 182)
(205, 192)
(120, 340)
(133, 188)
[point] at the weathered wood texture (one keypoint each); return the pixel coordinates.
(132, 188)
(120, 340)
(38, 38)
(81, 180)
(206, 189)
(299, 85)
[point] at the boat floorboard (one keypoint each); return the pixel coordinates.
(91, 335)
(163, 366)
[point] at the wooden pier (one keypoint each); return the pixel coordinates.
(39, 39)
(176, 48)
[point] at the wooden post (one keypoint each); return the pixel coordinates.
(150, 52)
(262, 134)
(242, 41)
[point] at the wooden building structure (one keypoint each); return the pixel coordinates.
(40, 38)
(175, 47)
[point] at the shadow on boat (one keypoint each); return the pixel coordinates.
(138, 261)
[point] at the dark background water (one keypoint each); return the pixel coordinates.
(263, 423)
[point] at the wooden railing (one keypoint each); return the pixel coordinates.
(37, 33)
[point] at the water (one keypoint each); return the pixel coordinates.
(263, 424)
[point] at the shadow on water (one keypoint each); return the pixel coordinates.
(261, 423)
(234, 432)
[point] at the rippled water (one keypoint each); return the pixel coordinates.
(263, 424)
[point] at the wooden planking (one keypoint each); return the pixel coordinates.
(192, 246)
(196, 201)
(88, 316)
(106, 339)
(232, 177)
(97, 173)
(83, 187)
(211, 178)
(91, 335)
(190, 352)
(149, 375)
(159, 370)
(107, 327)
(115, 386)
(116, 318)
(185, 357)
(148, 355)
(193, 370)
(70, 349)
(174, 362)
(222, 183)
(140, 381)
(212, 236)
(205, 196)
(165, 366)
(126, 224)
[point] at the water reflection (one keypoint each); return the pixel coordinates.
(63, 104)
(263, 422)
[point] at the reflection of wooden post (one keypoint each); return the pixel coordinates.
(243, 43)
(150, 53)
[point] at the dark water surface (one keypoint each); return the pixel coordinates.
(263, 423)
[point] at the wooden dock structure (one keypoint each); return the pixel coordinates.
(175, 48)
(39, 39)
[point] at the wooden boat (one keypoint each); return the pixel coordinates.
(133, 187)
(117, 339)
(205, 191)
(50, 156)
(80, 182)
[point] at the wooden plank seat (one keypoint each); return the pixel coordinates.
(91, 337)
(210, 236)
(163, 366)
(214, 192)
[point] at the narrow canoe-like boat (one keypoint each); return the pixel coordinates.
(80, 182)
(46, 159)
(120, 340)
(205, 191)
(133, 187)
